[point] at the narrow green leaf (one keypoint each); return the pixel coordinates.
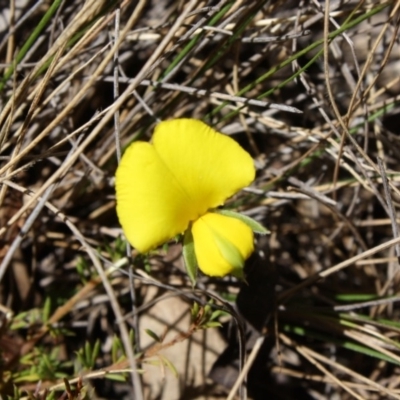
(47, 309)
(207, 309)
(169, 365)
(250, 222)
(217, 313)
(212, 324)
(87, 354)
(357, 297)
(95, 353)
(116, 377)
(132, 337)
(153, 335)
(194, 311)
(190, 256)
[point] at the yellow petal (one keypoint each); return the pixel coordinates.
(221, 244)
(209, 165)
(151, 206)
(188, 169)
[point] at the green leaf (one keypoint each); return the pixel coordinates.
(95, 353)
(250, 222)
(153, 335)
(208, 309)
(194, 311)
(218, 313)
(190, 256)
(357, 297)
(47, 309)
(116, 377)
(169, 365)
(212, 324)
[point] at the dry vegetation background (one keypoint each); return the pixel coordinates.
(311, 89)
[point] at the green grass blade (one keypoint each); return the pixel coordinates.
(30, 41)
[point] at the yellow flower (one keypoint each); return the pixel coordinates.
(174, 184)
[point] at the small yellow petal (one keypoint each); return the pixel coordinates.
(221, 244)
(188, 169)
